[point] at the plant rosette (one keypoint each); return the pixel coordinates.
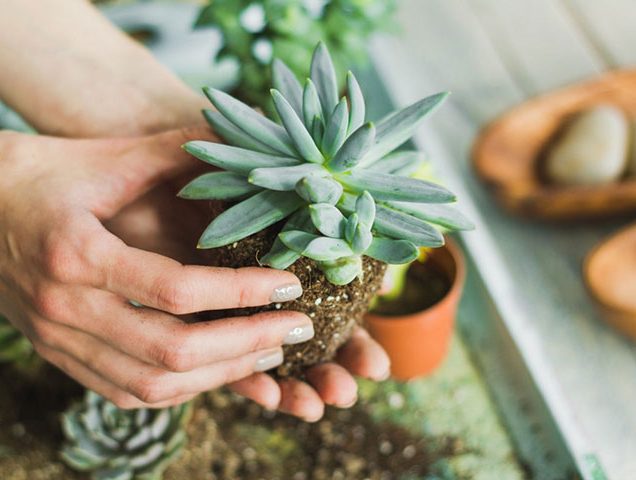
(321, 194)
(415, 326)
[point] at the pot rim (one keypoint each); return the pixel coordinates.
(454, 291)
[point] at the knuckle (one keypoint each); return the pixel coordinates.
(175, 296)
(58, 257)
(151, 389)
(49, 303)
(123, 401)
(177, 355)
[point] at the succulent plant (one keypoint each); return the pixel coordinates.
(255, 31)
(345, 193)
(116, 444)
(14, 347)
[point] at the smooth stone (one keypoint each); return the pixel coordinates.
(593, 149)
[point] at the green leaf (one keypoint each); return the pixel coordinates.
(251, 122)
(398, 163)
(311, 104)
(361, 239)
(217, 186)
(365, 208)
(296, 129)
(297, 240)
(284, 178)
(323, 74)
(234, 135)
(248, 217)
(343, 270)
(336, 131)
(356, 99)
(399, 126)
(444, 215)
(384, 186)
(353, 149)
(325, 248)
(235, 159)
(402, 226)
(328, 219)
(280, 256)
(352, 226)
(315, 189)
(317, 130)
(286, 83)
(392, 251)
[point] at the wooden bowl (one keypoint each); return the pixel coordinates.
(610, 275)
(508, 153)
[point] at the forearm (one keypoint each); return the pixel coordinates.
(69, 72)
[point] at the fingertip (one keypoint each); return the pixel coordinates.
(260, 388)
(334, 384)
(300, 400)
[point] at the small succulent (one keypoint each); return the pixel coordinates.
(116, 444)
(345, 193)
(255, 31)
(14, 347)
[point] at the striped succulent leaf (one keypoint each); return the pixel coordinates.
(115, 444)
(327, 175)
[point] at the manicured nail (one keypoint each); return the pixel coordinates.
(269, 361)
(285, 293)
(299, 334)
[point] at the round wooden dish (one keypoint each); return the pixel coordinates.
(610, 276)
(508, 153)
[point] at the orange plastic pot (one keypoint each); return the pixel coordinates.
(418, 343)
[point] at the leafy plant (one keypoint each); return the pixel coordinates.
(255, 31)
(116, 444)
(14, 347)
(332, 174)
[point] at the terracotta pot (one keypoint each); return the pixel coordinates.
(417, 343)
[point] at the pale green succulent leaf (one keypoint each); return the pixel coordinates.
(235, 159)
(251, 122)
(82, 459)
(365, 208)
(326, 248)
(318, 189)
(361, 239)
(384, 186)
(218, 186)
(391, 251)
(336, 130)
(342, 271)
(402, 226)
(328, 219)
(284, 178)
(352, 225)
(296, 129)
(234, 135)
(353, 149)
(297, 240)
(356, 100)
(399, 163)
(445, 216)
(311, 104)
(285, 82)
(317, 129)
(121, 472)
(248, 217)
(323, 74)
(399, 126)
(280, 256)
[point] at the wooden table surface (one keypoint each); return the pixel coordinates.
(493, 54)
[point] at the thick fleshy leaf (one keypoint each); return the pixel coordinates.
(311, 104)
(342, 271)
(323, 74)
(399, 163)
(297, 240)
(296, 129)
(328, 219)
(384, 186)
(248, 217)
(392, 251)
(317, 130)
(446, 216)
(356, 100)
(235, 159)
(280, 256)
(399, 126)
(286, 83)
(361, 239)
(352, 226)
(251, 122)
(402, 226)
(218, 186)
(365, 208)
(316, 189)
(353, 149)
(234, 135)
(325, 248)
(336, 131)
(284, 178)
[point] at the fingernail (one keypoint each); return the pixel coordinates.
(384, 376)
(285, 293)
(299, 334)
(350, 404)
(269, 361)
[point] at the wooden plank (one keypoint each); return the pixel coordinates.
(542, 261)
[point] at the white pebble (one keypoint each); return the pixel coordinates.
(318, 301)
(278, 306)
